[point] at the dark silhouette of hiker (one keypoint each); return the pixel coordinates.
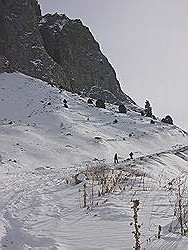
(131, 155)
(159, 232)
(115, 158)
(65, 103)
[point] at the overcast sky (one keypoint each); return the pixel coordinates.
(146, 41)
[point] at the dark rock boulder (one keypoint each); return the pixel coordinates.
(90, 101)
(100, 104)
(122, 109)
(142, 112)
(168, 119)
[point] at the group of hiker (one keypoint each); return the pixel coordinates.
(116, 157)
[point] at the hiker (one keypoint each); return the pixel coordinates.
(131, 155)
(65, 103)
(115, 158)
(159, 232)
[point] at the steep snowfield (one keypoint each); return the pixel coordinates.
(43, 144)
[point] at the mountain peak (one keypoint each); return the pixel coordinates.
(56, 49)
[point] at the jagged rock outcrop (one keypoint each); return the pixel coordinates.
(22, 43)
(72, 45)
(56, 49)
(168, 119)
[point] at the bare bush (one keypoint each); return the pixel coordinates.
(136, 231)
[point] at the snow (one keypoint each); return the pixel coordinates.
(61, 26)
(44, 145)
(36, 62)
(42, 21)
(59, 23)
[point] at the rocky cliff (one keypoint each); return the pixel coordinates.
(22, 43)
(56, 49)
(72, 46)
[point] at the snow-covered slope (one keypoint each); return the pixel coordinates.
(43, 144)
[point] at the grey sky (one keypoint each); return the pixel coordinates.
(147, 43)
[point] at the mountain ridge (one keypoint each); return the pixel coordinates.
(69, 57)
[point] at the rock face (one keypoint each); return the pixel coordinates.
(55, 49)
(72, 46)
(22, 43)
